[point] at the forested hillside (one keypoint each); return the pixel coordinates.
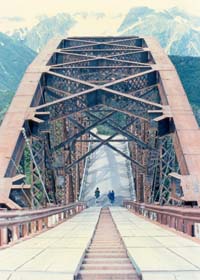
(14, 59)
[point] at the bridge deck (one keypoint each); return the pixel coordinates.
(54, 254)
(159, 253)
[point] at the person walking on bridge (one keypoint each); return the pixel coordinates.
(97, 193)
(112, 197)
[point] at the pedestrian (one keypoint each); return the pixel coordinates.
(112, 197)
(97, 193)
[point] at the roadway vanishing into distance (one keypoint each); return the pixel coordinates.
(108, 170)
(57, 254)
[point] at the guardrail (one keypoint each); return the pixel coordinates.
(184, 219)
(20, 224)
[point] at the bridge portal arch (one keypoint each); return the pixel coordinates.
(76, 84)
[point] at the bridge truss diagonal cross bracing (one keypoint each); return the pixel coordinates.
(125, 84)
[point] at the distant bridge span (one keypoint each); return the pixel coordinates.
(76, 84)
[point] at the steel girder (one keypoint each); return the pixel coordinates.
(124, 83)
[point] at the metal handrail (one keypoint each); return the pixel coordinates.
(18, 224)
(182, 219)
(24, 216)
(184, 212)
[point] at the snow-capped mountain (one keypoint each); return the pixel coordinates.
(47, 27)
(77, 24)
(177, 31)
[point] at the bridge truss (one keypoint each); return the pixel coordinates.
(126, 84)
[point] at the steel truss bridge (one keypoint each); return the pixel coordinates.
(127, 84)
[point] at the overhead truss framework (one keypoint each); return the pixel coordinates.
(126, 84)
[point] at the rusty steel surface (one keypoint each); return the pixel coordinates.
(127, 84)
(13, 122)
(187, 135)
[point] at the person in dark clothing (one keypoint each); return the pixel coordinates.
(112, 197)
(97, 193)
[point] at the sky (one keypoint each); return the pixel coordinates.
(32, 8)
(28, 11)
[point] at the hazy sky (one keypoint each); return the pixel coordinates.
(32, 8)
(27, 12)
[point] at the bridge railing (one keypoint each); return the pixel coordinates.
(184, 219)
(22, 224)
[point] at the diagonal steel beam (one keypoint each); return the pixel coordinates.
(111, 41)
(74, 62)
(72, 96)
(60, 51)
(105, 142)
(149, 105)
(104, 86)
(79, 40)
(83, 46)
(82, 132)
(116, 127)
(126, 61)
(52, 89)
(70, 78)
(131, 52)
(101, 57)
(137, 99)
(129, 77)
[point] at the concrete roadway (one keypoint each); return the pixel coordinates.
(52, 255)
(160, 254)
(108, 170)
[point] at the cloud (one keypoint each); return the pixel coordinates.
(16, 19)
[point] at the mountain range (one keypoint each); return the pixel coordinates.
(177, 32)
(48, 27)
